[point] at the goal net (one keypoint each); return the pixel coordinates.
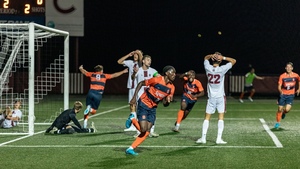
(34, 69)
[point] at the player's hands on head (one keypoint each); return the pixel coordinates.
(131, 53)
(217, 56)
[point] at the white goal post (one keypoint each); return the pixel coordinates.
(19, 44)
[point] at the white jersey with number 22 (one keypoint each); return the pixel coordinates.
(215, 79)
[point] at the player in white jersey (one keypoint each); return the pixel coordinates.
(216, 94)
(133, 66)
(145, 72)
(13, 117)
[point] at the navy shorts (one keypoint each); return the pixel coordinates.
(190, 103)
(285, 99)
(93, 99)
(144, 113)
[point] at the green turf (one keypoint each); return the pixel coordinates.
(249, 144)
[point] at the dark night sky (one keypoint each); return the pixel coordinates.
(264, 33)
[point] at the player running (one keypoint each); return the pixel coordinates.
(160, 88)
(192, 89)
(286, 87)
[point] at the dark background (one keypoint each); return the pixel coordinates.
(264, 33)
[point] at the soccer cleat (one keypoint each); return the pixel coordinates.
(130, 151)
(153, 134)
(277, 125)
(201, 141)
(131, 128)
(251, 100)
(283, 115)
(54, 130)
(220, 141)
(241, 100)
(87, 110)
(93, 127)
(128, 121)
(176, 129)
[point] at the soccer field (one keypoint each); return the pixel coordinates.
(252, 140)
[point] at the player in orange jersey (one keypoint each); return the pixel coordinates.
(192, 89)
(160, 88)
(94, 96)
(286, 87)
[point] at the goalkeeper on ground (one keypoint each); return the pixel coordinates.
(61, 123)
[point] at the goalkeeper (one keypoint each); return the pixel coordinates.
(61, 123)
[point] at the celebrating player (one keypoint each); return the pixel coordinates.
(160, 88)
(286, 87)
(145, 72)
(192, 89)
(94, 96)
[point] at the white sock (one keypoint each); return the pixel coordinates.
(132, 126)
(220, 129)
(85, 123)
(177, 125)
(204, 129)
(152, 129)
(134, 113)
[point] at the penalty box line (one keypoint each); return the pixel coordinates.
(271, 134)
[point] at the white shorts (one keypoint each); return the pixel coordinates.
(130, 94)
(216, 103)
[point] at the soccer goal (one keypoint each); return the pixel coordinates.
(34, 67)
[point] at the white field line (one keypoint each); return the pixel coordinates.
(108, 146)
(192, 118)
(123, 146)
(229, 110)
(272, 135)
(20, 138)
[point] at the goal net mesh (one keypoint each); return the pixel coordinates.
(33, 70)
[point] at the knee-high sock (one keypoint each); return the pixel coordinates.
(220, 129)
(278, 116)
(205, 128)
(141, 138)
(136, 124)
(85, 117)
(152, 128)
(180, 115)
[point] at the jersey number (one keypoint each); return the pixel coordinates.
(214, 79)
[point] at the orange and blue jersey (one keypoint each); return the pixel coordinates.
(191, 88)
(157, 91)
(98, 80)
(288, 82)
